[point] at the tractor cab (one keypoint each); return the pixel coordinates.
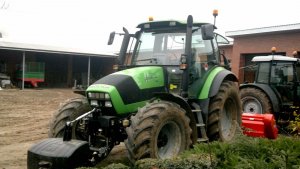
(164, 44)
(282, 74)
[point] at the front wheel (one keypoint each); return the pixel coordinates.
(224, 113)
(69, 111)
(159, 130)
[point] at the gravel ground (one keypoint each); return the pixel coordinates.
(24, 120)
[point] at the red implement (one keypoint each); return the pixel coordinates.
(259, 125)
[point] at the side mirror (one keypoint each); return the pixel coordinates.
(111, 38)
(207, 31)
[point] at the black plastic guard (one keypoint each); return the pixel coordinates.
(54, 153)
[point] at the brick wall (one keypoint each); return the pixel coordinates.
(285, 42)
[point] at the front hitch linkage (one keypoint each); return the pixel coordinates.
(68, 127)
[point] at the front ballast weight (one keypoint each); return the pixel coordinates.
(66, 152)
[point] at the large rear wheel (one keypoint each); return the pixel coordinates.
(255, 101)
(69, 111)
(224, 113)
(159, 130)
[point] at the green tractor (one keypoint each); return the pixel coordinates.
(169, 93)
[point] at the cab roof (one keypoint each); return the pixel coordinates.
(167, 23)
(274, 57)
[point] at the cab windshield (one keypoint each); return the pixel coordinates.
(161, 48)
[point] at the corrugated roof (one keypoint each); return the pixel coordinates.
(50, 49)
(271, 29)
(273, 57)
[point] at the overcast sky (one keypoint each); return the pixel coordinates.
(86, 24)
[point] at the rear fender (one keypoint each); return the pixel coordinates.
(275, 101)
(221, 76)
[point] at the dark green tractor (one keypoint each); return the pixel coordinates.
(170, 92)
(276, 89)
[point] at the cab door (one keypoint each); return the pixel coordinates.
(283, 79)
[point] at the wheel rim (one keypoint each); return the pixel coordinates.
(251, 105)
(169, 140)
(227, 118)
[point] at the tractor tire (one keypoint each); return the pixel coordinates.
(224, 113)
(255, 101)
(69, 111)
(159, 130)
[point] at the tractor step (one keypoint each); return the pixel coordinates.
(199, 140)
(200, 125)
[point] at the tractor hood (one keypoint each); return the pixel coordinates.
(131, 88)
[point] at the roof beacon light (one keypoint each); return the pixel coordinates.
(150, 18)
(215, 12)
(273, 49)
(295, 53)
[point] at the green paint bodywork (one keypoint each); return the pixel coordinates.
(145, 77)
(208, 82)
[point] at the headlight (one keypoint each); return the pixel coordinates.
(94, 103)
(108, 104)
(98, 95)
(90, 95)
(98, 99)
(107, 96)
(101, 96)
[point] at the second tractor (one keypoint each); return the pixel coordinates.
(276, 88)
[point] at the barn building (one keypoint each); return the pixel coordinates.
(47, 66)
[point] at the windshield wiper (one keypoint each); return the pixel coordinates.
(148, 59)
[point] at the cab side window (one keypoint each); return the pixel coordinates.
(263, 73)
(282, 73)
(298, 72)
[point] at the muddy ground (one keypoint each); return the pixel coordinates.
(24, 120)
